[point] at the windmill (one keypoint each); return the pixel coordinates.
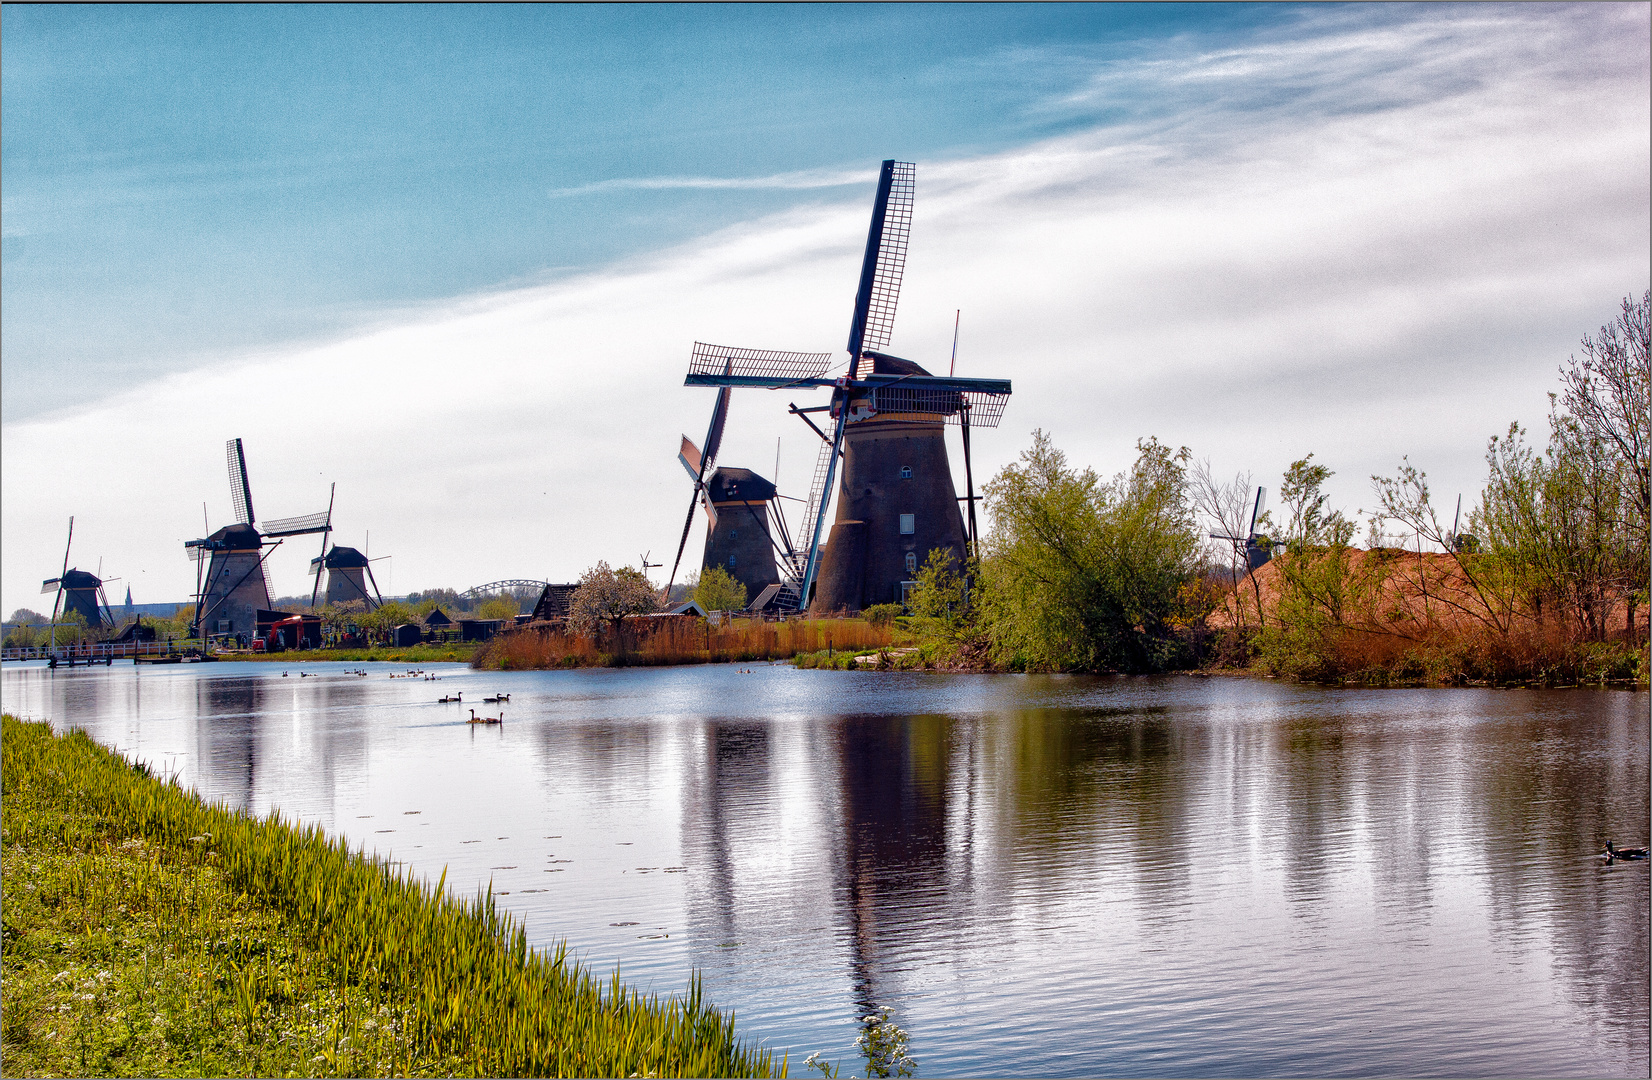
(887, 420)
(737, 504)
(1256, 547)
(349, 576)
(78, 591)
(349, 572)
(1460, 542)
(233, 587)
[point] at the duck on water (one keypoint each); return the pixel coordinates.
(1623, 853)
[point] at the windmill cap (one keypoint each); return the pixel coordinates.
(80, 579)
(885, 364)
(739, 485)
(236, 537)
(343, 558)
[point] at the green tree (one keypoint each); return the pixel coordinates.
(381, 620)
(1319, 586)
(498, 607)
(717, 591)
(938, 600)
(883, 614)
(1085, 575)
(609, 596)
(1602, 431)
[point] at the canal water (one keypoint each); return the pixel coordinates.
(1038, 875)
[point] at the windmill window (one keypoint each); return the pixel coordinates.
(731, 562)
(734, 534)
(908, 524)
(911, 562)
(906, 472)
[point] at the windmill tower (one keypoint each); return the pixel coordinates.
(1256, 547)
(82, 593)
(739, 539)
(738, 507)
(233, 588)
(349, 575)
(77, 591)
(888, 417)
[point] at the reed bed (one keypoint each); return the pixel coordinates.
(679, 639)
(466, 994)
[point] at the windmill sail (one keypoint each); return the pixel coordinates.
(689, 455)
(240, 492)
(766, 365)
(714, 436)
(699, 464)
(884, 261)
(298, 526)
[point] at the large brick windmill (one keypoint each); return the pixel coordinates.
(896, 501)
(234, 588)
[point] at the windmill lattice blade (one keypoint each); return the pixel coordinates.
(757, 363)
(240, 492)
(714, 437)
(49, 586)
(196, 550)
(1256, 512)
(880, 276)
(985, 408)
(297, 526)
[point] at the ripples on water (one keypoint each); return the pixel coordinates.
(1041, 876)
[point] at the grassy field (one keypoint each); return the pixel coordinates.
(149, 934)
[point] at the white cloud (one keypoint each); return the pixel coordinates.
(1361, 283)
(802, 180)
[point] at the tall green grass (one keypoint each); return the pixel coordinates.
(471, 997)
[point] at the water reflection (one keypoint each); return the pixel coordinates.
(1041, 876)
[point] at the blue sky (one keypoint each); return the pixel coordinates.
(456, 257)
(181, 180)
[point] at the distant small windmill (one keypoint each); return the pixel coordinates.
(233, 588)
(1460, 542)
(742, 541)
(1256, 548)
(77, 591)
(888, 415)
(646, 565)
(349, 576)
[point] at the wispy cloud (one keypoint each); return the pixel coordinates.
(1361, 283)
(788, 181)
(1359, 58)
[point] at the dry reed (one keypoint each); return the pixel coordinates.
(677, 639)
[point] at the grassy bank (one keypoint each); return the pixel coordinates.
(410, 654)
(679, 640)
(147, 933)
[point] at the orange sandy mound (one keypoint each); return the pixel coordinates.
(1421, 593)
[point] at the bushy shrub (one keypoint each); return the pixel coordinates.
(882, 614)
